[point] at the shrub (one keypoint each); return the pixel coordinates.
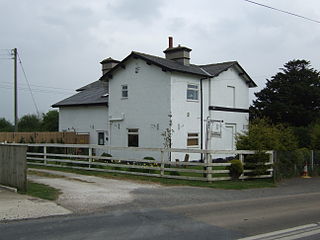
(236, 168)
(264, 136)
(256, 163)
(105, 155)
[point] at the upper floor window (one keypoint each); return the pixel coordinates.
(231, 96)
(124, 91)
(193, 92)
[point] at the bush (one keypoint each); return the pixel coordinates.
(264, 136)
(236, 168)
(256, 163)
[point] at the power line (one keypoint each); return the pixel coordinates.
(25, 76)
(49, 89)
(42, 86)
(283, 11)
(36, 91)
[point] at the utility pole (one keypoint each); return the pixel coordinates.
(14, 52)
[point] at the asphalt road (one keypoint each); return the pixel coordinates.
(185, 213)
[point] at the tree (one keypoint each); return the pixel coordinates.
(264, 136)
(5, 126)
(291, 96)
(29, 123)
(50, 121)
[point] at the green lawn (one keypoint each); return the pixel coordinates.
(42, 191)
(254, 183)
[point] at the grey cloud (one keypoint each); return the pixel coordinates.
(139, 10)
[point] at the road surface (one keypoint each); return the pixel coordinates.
(188, 213)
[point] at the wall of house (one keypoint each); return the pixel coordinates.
(185, 113)
(227, 90)
(92, 119)
(146, 108)
(222, 90)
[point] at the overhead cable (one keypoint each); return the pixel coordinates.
(283, 11)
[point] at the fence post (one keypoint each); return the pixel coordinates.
(45, 155)
(209, 167)
(90, 156)
(162, 164)
(271, 161)
(241, 158)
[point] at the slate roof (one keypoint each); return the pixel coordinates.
(209, 70)
(217, 68)
(171, 65)
(95, 84)
(92, 95)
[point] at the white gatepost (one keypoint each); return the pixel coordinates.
(241, 158)
(162, 163)
(45, 155)
(90, 156)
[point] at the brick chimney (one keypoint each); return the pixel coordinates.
(107, 64)
(179, 54)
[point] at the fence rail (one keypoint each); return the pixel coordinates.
(82, 156)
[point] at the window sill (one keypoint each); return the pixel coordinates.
(124, 98)
(197, 146)
(190, 100)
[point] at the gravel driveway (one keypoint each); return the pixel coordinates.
(81, 193)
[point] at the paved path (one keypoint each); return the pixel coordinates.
(15, 206)
(82, 193)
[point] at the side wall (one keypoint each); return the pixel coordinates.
(13, 166)
(230, 91)
(185, 113)
(90, 119)
(146, 108)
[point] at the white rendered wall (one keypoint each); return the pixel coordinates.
(91, 119)
(221, 95)
(146, 108)
(232, 123)
(185, 113)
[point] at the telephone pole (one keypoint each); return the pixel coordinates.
(14, 52)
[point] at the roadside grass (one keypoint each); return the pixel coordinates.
(42, 191)
(239, 184)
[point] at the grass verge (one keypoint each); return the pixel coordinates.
(42, 191)
(247, 184)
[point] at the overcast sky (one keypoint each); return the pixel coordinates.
(62, 42)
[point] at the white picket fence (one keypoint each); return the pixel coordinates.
(82, 156)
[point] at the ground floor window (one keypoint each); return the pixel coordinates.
(100, 138)
(133, 137)
(193, 140)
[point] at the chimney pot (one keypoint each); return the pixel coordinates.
(170, 42)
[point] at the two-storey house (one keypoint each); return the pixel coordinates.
(143, 97)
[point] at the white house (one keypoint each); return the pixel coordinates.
(143, 96)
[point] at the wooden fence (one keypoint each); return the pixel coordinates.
(45, 137)
(83, 157)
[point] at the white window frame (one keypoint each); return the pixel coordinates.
(124, 91)
(233, 95)
(103, 138)
(133, 132)
(193, 87)
(191, 136)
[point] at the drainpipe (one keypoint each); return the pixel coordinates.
(201, 116)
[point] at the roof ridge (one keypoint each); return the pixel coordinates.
(221, 63)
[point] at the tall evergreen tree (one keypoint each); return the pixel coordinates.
(291, 97)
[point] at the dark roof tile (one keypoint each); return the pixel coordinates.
(93, 95)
